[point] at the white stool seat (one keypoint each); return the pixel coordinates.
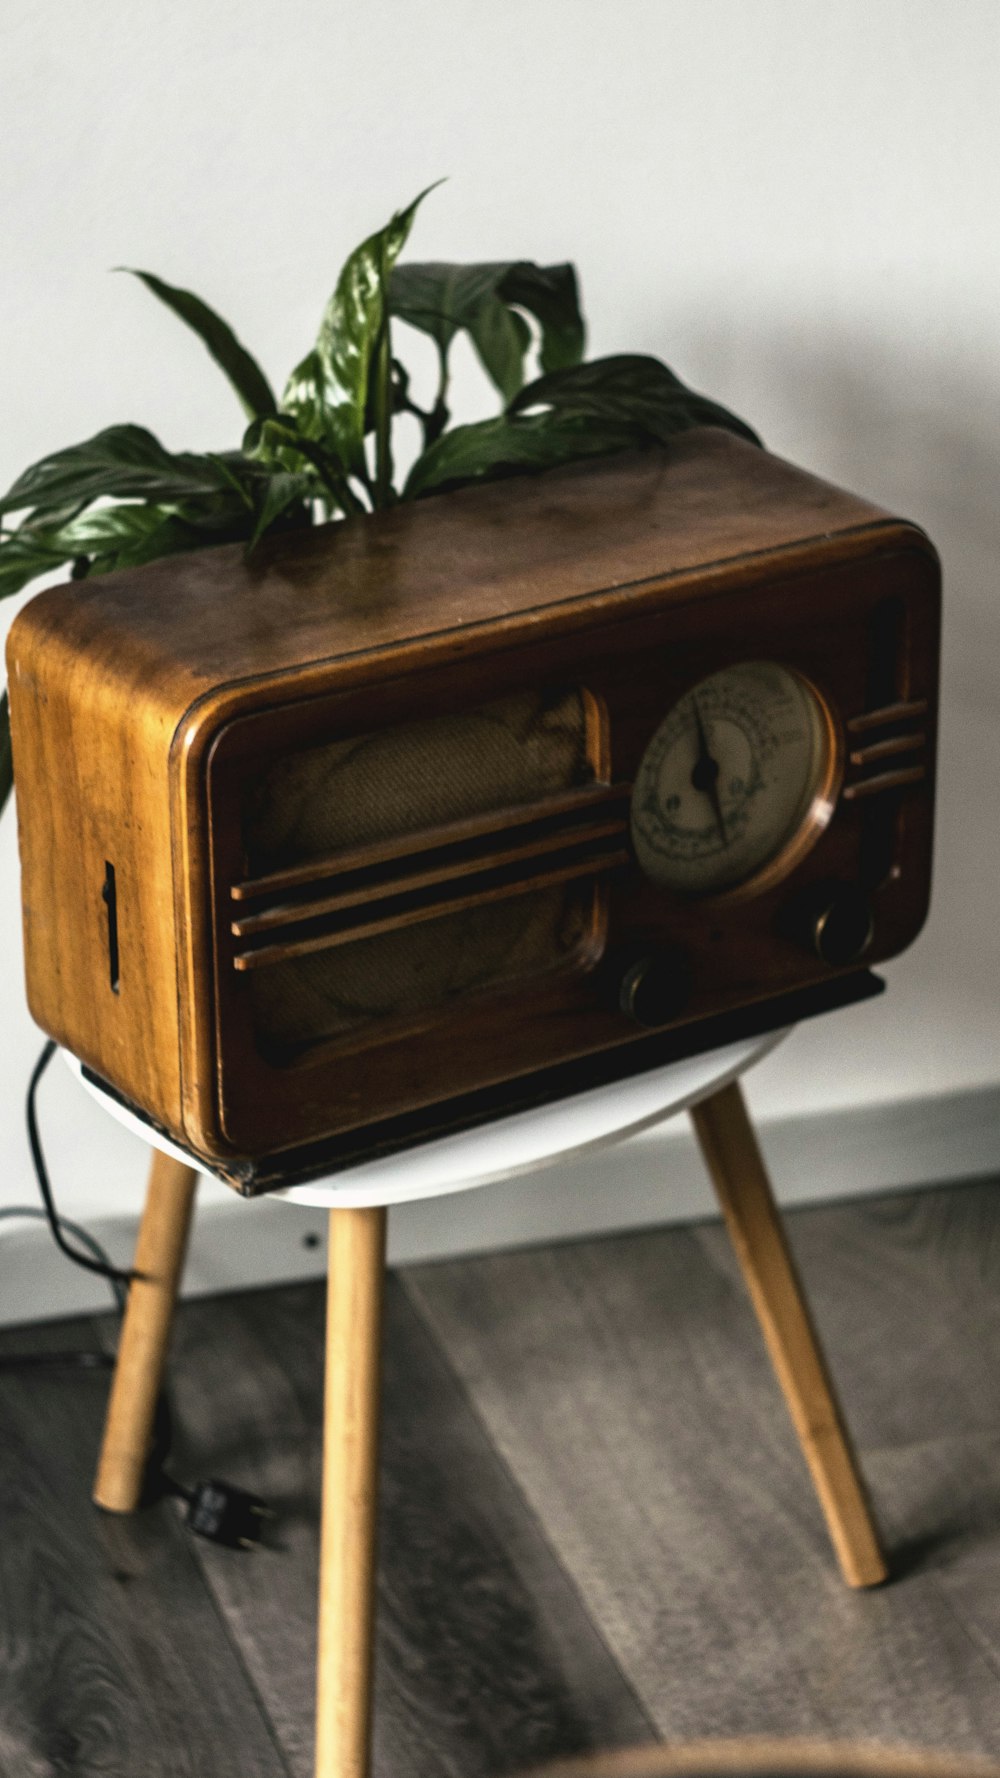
(518, 1143)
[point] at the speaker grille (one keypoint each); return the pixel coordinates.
(418, 775)
(399, 871)
(328, 994)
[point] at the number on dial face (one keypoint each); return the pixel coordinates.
(729, 778)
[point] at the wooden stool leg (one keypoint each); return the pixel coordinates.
(734, 1161)
(350, 1492)
(142, 1350)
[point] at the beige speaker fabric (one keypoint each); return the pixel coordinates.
(379, 786)
(418, 775)
(330, 993)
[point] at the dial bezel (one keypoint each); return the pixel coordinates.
(816, 817)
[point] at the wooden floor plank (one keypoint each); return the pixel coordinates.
(942, 1506)
(625, 1384)
(596, 1528)
(906, 1290)
(113, 1657)
(486, 1660)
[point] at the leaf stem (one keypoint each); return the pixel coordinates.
(435, 422)
(383, 414)
(332, 475)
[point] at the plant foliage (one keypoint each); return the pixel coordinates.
(324, 451)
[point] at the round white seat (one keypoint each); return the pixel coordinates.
(521, 1142)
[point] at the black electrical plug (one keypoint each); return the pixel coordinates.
(227, 1515)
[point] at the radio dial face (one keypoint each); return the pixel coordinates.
(734, 775)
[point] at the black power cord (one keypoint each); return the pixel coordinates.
(60, 1227)
(121, 1280)
(216, 1510)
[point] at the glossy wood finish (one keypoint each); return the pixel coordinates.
(738, 948)
(350, 1493)
(91, 746)
(145, 1338)
(464, 842)
(359, 914)
(446, 567)
(744, 1191)
(629, 580)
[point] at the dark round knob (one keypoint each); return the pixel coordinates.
(653, 988)
(843, 927)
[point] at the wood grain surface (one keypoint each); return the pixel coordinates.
(486, 1661)
(207, 695)
(192, 623)
(145, 1335)
(596, 1527)
(625, 1384)
(113, 1657)
(732, 1155)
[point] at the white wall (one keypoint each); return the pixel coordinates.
(795, 202)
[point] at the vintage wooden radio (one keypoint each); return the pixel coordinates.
(411, 818)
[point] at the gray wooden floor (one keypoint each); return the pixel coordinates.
(596, 1526)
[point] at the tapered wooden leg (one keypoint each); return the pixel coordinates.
(734, 1161)
(142, 1350)
(350, 1490)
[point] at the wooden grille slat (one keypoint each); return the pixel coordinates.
(279, 951)
(877, 750)
(900, 735)
(363, 891)
(883, 781)
(566, 806)
(900, 712)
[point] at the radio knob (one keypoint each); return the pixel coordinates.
(843, 927)
(652, 988)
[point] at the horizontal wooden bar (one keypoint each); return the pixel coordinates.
(568, 871)
(284, 913)
(865, 756)
(569, 805)
(901, 712)
(884, 781)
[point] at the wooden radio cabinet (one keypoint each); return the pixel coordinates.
(417, 807)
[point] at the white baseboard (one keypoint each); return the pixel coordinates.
(649, 1179)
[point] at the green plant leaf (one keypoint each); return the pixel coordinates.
(242, 371)
(501, 338)
(122, 462)
(282, 444)
(441, 299)
(23, 557)
(551, 295)
(6, 755)
(128, 536)
(304, 407)
(284, 490)
(630, 388)
(506, 446)
(328, 391)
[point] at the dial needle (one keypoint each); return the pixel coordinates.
(706, 772)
